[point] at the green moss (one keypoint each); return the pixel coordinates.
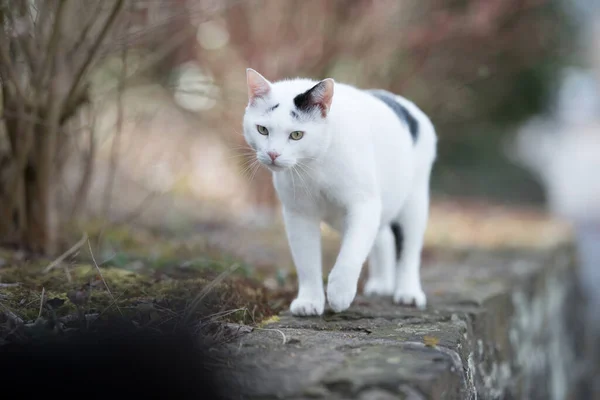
(86, 290)
(148, 277)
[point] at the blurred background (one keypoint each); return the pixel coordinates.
(121, 146)
(141, 103)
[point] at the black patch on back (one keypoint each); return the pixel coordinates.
(398, 238)
(403, 114)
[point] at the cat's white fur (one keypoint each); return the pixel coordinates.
(357, 169)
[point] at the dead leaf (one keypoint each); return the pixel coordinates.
(430, 341)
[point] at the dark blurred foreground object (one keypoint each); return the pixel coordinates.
(110, 364)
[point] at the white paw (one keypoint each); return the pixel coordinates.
(307, 307)
(340, 293)
(410, 297)
(379, 287)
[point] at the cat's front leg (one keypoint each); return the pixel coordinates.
(361, 227)
(304, 237)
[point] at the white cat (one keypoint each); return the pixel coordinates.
(359, 161)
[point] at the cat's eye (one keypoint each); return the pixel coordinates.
(262, 130)
(296, 135)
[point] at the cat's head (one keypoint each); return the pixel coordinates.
(286, 122)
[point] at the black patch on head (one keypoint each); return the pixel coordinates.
(304, 103)
(403, 114)
(398, 238)
(294, 114)
(272, 108)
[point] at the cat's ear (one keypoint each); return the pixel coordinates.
(258, 86)
(319, 96)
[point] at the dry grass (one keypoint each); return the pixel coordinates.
(152, 290)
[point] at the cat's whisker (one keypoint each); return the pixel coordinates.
(294, 170)
(236, 141)
(237, 145)
(242, 150)
(293, 183)
(312, 189)
(307, 159)
(240, 156)
(304, 183)
(249, 162)
(257, 164)
(248, 174)
(307, 168)
(250, 169)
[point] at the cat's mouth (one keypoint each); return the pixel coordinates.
(275, 166)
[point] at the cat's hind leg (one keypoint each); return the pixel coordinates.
(382, 265)
(413, 223)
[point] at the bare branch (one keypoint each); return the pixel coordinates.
(69, 109)
(84, 184)
(43, 14)
(79, 75)
(66, 254)
(114, 158)
(8, 114)
(24, 39)
(90, 23)
(9, 67)
(47, 67)
(42, 298)
(102, 277)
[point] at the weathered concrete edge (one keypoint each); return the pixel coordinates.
(516, 344)
(521, 343)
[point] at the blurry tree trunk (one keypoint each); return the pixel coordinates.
(43, 73)
(28, 186)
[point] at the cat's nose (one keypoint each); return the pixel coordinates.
(273, 155)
